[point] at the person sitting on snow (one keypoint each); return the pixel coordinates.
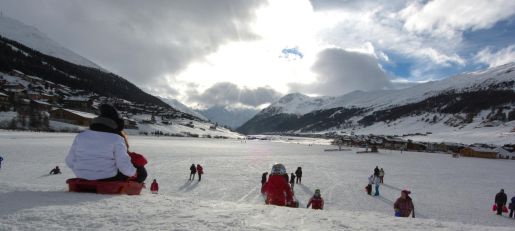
(316, 201)
(277, 189)
(404, 205)
(138, 160)
(154, 187)
(55, 171)
(100, 153)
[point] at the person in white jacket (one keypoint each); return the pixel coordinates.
(100, 153)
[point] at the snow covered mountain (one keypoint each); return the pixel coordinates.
(35, 39)
(228, 116)
(181, 107)
(482, 99)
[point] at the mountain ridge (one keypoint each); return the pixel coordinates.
(296, 112)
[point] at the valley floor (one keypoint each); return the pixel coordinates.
(449, 193)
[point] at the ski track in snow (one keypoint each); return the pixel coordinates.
(451, 191)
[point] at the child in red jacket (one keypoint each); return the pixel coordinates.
(316, 202)
(277, 189)
(200, 171)
(154, 187)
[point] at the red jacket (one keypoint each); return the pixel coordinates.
(137, 160)
(316, 203)
(154, 187)
(277, 190)
(200, 170)
(405, 206)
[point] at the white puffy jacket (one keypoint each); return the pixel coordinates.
(99, 155)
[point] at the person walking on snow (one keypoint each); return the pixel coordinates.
(316, 201)
(376, 171)
(193, 171)
(55, 171)
(381, 175)
(403, 206)
(377, 183)
(298, 173)
(512, 206)
(154, 187)
(500, 201)
(277, 189)
(292, 180)
(1, 159)
(369, 186)
(200, 171)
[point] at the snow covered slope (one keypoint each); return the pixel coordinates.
(299, 104)
(181, 107)
(35, 39)
(485, 98)
(449, 193)
(228, 116)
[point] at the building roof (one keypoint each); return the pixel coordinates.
(80, 113)
(481, 149)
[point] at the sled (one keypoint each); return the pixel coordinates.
(104, 187)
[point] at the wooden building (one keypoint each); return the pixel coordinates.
(480, 152)
(72, 117)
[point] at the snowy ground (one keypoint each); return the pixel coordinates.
(468, 134)
(449, 194)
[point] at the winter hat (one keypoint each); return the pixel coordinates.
(109, 117)
(407, 192)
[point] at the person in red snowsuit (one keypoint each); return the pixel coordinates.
(154, 187)
(277, 189)
(316, 201)
(200, 171)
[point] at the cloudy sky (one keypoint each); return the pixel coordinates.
(249, 53)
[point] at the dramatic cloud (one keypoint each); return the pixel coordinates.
(500, 57)
(340, 71)
(451, 18)
(230, 94)
(429, 33)
(140, 40)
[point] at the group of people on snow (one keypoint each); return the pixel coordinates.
(375, 179)
(500, 204)
(111, 160)
(279, 192)
(196, 170)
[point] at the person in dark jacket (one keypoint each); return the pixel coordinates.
(404, 205)
(193, 171)
(1, 159)
(512, 206)
(292, 180)
(264, 178)
(376, 171)
(298, 173)
(55, 171)
(500, 201)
